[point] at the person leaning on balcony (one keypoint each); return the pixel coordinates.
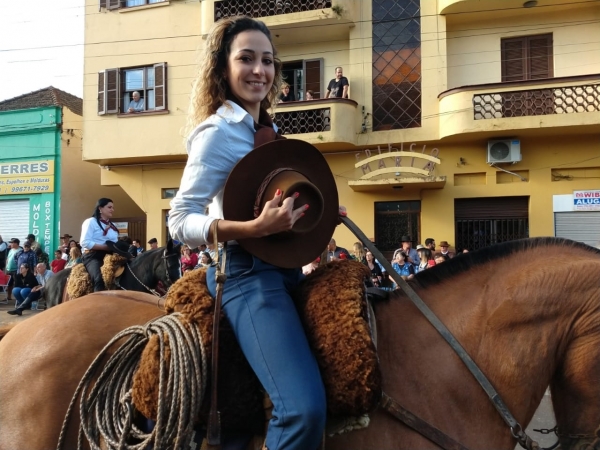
(237, 83)
(338, 87)
(285, 95)
(136, 104)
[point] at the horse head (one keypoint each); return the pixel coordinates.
(171, 255)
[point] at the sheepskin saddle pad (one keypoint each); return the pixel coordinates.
(333, 307)
(79, 282)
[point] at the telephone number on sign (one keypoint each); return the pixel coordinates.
(29, 189)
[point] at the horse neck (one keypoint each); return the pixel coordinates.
(514, 316)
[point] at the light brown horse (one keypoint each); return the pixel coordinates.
(527, 312)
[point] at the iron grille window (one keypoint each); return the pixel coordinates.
(396, 64)
(394, 220)
(473, 234)
(260, 8)
(300, 122)
(480, 222)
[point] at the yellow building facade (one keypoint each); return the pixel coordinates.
(467, 121)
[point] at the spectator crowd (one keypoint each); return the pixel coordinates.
(26, 267)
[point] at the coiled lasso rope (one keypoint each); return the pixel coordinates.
(107, 412)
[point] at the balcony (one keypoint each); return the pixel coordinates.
(527, 107)
(289, 19)
(329, 124)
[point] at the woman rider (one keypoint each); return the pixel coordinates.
(95, 232)
(237, 82)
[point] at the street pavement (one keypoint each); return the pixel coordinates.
(543, 418)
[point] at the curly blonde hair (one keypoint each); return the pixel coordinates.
(211, 89)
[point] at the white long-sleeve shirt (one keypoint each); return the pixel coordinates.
(93, 233)
(214, 148)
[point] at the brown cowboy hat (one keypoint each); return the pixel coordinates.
(292, 166)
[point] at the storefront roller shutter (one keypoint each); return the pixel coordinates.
(492, 208)
(582, 226)
(14, 219)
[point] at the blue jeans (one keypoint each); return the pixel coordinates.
(25, 297)
(257, 303)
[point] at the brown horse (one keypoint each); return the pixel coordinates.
(527, 312)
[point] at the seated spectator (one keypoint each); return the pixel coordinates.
(439, 258)
(136, 248)
(27, 256)
(136, 104)
(285, 95)
(205, 259)
(376, 273)
(25, 281)
(358, 252)
(188, 259)
(402, 267)
(430, 244)
(424, 257)
(310, 95)
(34, 244)
(42, 275)
(75, 257)
(42, 257)
(338, 87)
(58, 263)
(334, 252)
(444, 250)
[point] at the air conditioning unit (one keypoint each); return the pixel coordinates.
(503, 151)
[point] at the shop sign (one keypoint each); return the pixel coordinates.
(27, 177)
(42, 221)
(586, 200)
(122, 227)
(397, 161)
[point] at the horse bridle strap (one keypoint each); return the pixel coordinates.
(515, 428)
(213, 433)
(419, 425)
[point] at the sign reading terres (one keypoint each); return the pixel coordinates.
(586, 200)
(27, 177)
(399, 162)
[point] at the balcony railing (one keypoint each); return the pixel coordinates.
(302, 122)
(537, 102)
(261, 8)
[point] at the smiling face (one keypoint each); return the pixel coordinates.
(250, 70)
(106, 212)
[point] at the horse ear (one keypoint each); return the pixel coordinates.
(170, 245)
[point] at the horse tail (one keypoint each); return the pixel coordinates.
(5, 329)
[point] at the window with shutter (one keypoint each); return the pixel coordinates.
(101, 94)
(313, 76)
(160, 86)
(113, 4)
(102, 3)
(527, 58)
(118, 89)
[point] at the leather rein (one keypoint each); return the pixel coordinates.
(416, 423)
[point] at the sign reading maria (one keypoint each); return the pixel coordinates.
(397, 161)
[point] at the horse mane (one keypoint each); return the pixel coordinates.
(466, 261)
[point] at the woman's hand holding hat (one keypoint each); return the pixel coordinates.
(275, 219)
